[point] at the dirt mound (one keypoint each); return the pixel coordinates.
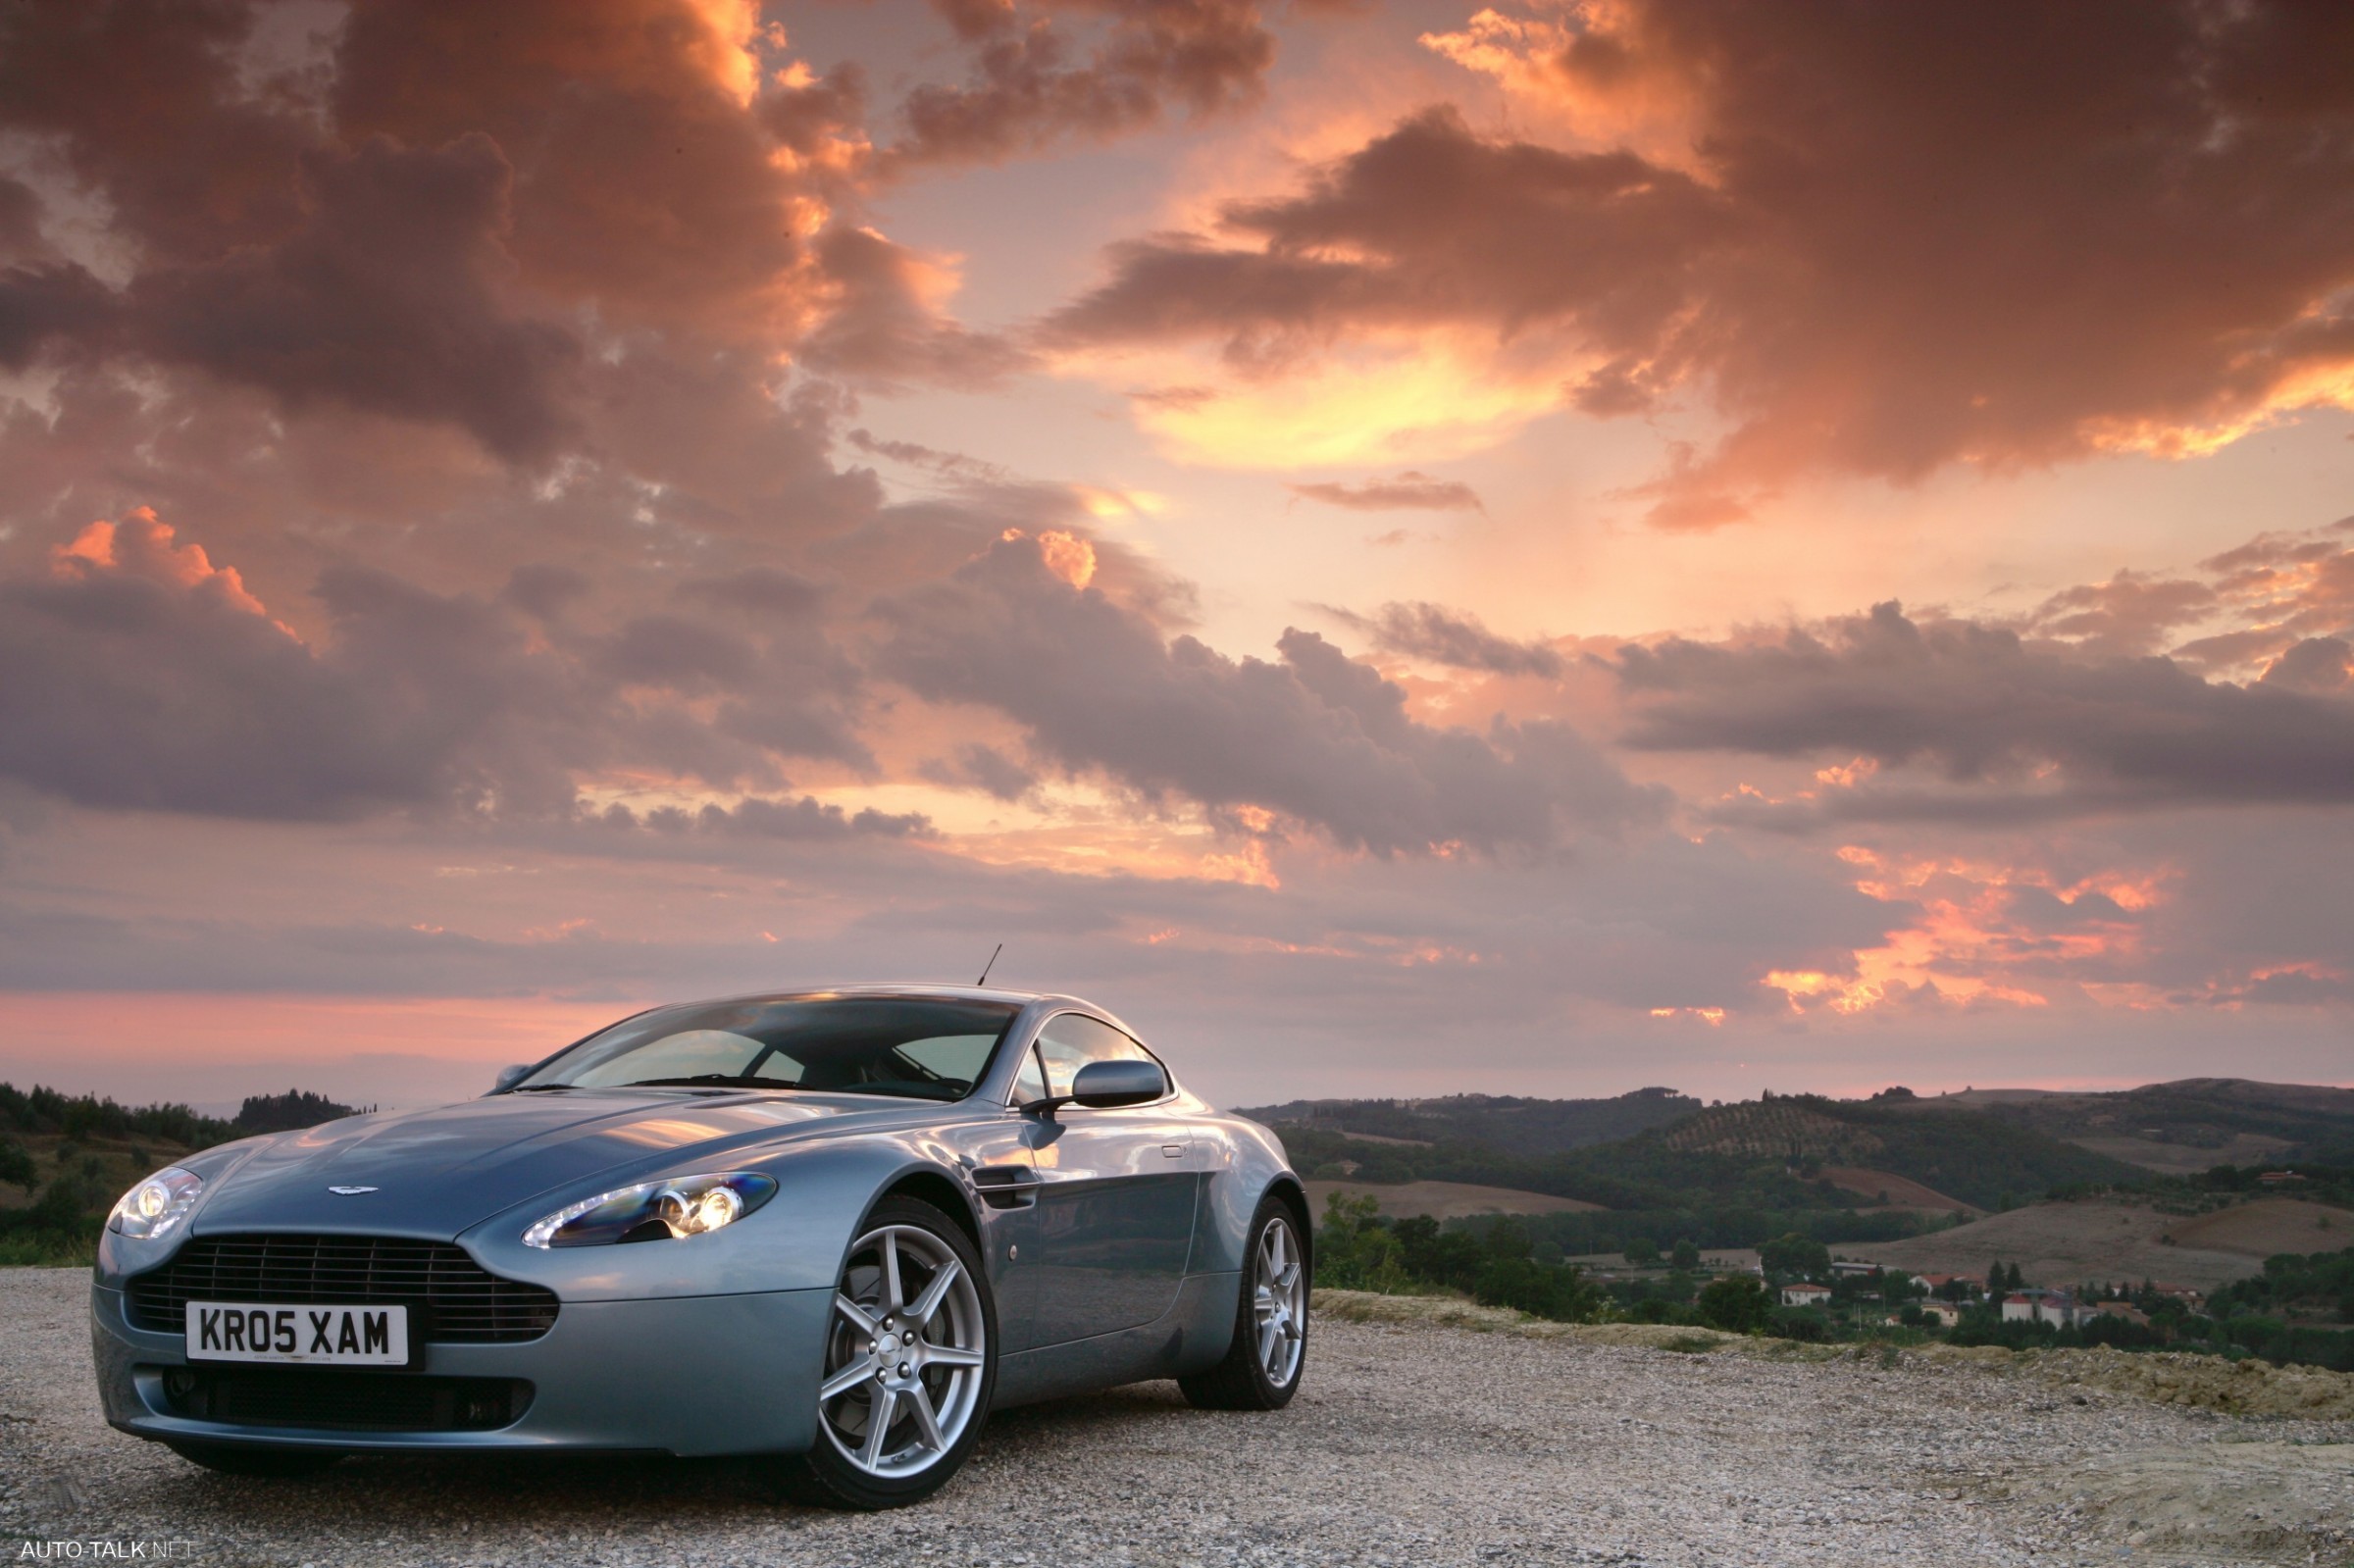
(2222, 1502)
(1454, 1312)
(1770, 1128)
(1893, 1191)
(2095, 1238)
(1446, 1200)
(2268, 1226)
(2199, 1382)
(2210, 1383)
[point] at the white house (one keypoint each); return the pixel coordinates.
(1806, 1293)
(2055, 1307)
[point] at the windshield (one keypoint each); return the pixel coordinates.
(915, 1048)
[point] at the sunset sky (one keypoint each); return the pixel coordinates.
(1401, 547)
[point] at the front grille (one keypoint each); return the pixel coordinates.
(451, 1299)
(346, 1401)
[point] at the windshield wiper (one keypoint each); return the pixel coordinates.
(536, 1088)
(708, 1080)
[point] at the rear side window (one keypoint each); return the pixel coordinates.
(1071, 1041)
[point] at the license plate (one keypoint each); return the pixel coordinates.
(333, 1335)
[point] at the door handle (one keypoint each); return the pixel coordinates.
(1174, 1151)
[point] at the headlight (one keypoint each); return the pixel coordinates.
(153, 1209)
(655, 1212)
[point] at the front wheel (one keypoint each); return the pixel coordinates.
(1262, 1366)
(911, 1360)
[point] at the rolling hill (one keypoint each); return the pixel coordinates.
(2182, 1126)
(1507, 1122)
(2123, 1238)
(1446, 1200)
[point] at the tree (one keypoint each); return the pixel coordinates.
(1795, 1254)
(1686, 1255)
(17, 1167)
(1737, 1303)
(1642, 1252)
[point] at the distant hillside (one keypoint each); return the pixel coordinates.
(2185, 1126)
(2122, 1238)
(1982, 1159)
(1505, 1123)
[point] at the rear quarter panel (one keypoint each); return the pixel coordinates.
(1245, 1162)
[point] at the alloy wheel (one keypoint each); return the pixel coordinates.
(1279, 1303)
(904, 1357)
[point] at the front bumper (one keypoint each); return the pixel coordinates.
(683, 1375)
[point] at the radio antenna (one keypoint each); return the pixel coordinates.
(991, 964)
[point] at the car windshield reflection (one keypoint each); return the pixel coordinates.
(903, 1047)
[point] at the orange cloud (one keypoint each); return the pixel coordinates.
(142, 546)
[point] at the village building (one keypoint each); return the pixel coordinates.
(2055, 1307)
(1806, 1293)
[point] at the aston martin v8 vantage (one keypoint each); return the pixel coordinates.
(837, 1227)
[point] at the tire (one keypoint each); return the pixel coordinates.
(936, 1402)
(234, 1460)
(1264, 1365)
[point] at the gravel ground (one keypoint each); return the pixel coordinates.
(1410, 1443)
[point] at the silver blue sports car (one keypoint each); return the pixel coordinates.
(839, 1227)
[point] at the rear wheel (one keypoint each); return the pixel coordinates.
(911, 1363)
(1262, 1366)
(234, 1460)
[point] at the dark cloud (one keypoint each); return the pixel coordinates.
(145, 98)
(125, 688)
(388, 297)
(1984, 714)
(644, 184)
(545, 589)
(2130, 614)
(984, 768)
(755, 817)
(760, 590)
(1903, 239)
(2314, 663)
(1037, 78)
(1447, 636)
(881, 331)
(139, 675)
(1451, 227)
(1316, 738)
(1409, 492)
(686, 656)
(41, 305)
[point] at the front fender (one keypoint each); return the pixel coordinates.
(794, 1242)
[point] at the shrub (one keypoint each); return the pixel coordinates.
(1737, 1303)
(1799, 1323)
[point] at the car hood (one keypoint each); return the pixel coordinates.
(436, 1173)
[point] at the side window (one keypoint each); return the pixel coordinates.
(1029, 1084)
(1071, 1041)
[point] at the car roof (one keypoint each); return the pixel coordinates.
(923, 990)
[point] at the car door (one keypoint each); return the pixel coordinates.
(1115, 1196)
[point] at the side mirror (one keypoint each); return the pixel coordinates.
(508, 1076)
(1106, 1083)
